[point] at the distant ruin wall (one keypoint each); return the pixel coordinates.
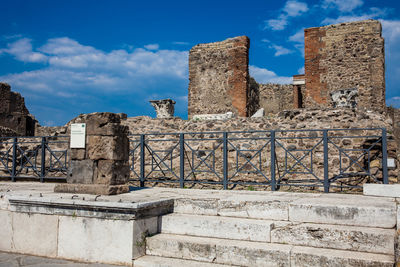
(219, 77)
(345, 56)
(276, 97)
(13, 112)
(253, 97)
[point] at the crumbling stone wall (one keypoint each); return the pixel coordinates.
(13, 112)
(276, 97)
(253, 96)
(345, 56)
(6, 132)
(219, 77)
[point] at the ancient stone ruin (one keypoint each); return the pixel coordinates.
(337, 58)
(343, 87)
(13, 113)
(219, 77)
(342, 56)
(102, 166)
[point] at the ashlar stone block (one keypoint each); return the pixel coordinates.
(112, 172)
(108, 147)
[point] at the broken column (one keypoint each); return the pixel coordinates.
(101, 167)
(164, 108)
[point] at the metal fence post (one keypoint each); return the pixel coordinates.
(384, 157)
(326, 169)
(273, 178)
(225, 159)
(14, 160)
(142, 161)
(43, 160)
(182, 160)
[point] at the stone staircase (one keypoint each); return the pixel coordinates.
(275, 229)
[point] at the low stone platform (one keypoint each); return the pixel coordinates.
(193, 227)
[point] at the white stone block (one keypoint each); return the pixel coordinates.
(217, 226)
(355, 238)
(345, 210)
(308, 256)
(6, 231)
(382, 190)
(35, 234)
(246, 253)
(183, 247)
(204, 206)
(222, 251)
(256, 207)
(95, 240)
(258, 114)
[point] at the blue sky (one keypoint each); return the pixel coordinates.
(72, 57)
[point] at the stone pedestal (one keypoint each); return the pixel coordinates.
(164, 108)
(102, 166)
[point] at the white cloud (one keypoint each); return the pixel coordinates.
(152, 47)
(373, 13)
(266, 76)
(301, 70)
(290, 10)
(298, 37)
(73, 67)
(277, 24)
(280, 50)
(342, 5)
(295, 8)
(180, 43)
(22, 51)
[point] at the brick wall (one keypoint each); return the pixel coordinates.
(343, 56)
(276, 97)
(219, 77)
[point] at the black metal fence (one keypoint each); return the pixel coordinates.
(341, 158)
(334, 158)
(34, 157)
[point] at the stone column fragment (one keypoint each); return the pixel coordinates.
(164, 108)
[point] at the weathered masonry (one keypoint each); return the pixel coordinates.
(219, 77)
(344, 67)
(13, 113)
(345, 58)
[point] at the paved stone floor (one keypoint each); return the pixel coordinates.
(19, 260)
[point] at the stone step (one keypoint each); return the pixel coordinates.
(249, 253)
(269, 207)
(217, 226)
(222, 251)
(344, 210)
(155, 261)
(355, 238)
(307, 256)
(356, 210)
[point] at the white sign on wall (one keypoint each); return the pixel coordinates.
(78, 135)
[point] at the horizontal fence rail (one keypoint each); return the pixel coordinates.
(34, 157)
(331, 158)
(334, 158)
